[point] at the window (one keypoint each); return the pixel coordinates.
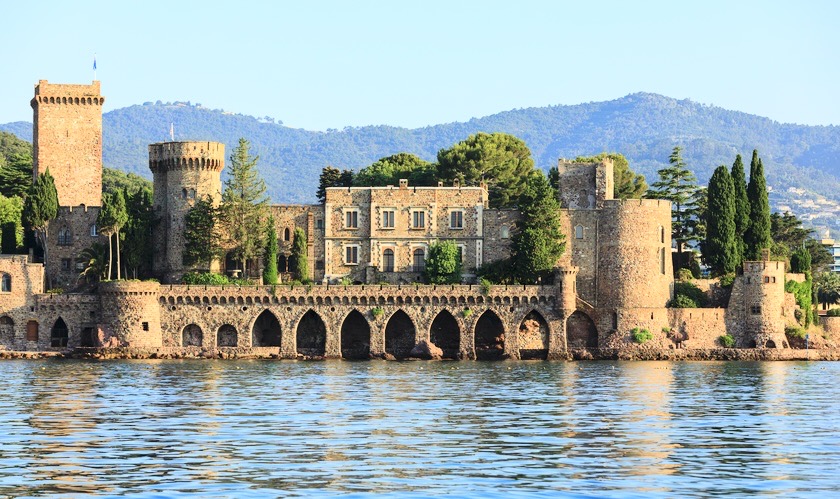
(319, 265)
(456, 219)
(388, 260)
(6, 283)
(418, 220)
(767, 279)
(388, 219)
(94, 231)
(319, 224)
(145, 326)
(578, 231)
(505, 232)
(662, 234)
(418, 260)
(460, 253)
(287, 234)
(64, 237)
(755, 309)
(662, 260)
(351, 219)
(65, 264)
(351, 255)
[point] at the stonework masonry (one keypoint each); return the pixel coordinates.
(616, 273)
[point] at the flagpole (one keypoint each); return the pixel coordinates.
(94, 66)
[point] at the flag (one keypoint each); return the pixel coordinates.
(94, 63)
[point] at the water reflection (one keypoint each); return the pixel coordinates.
(255, 428)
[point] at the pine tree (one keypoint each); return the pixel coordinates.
(299, 260)
(201, 234)
(677, 184)
(757, 236)
(721, 250)
(540, 243)
(40, 207)
(330, 177)
(742, 205)
(244, 206)
(270, 254)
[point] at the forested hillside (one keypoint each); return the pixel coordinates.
(802, 162)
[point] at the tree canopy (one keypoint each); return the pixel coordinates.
(390, 169)
(539, 243)
(201, 234)
(501, 160)
(677, 184)
(757, 236)
(442, 263)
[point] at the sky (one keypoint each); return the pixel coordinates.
(331, 64)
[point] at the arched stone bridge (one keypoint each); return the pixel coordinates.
(371, 320)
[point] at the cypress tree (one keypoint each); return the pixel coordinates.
(742, 205)
(721, 249)
(40, 207)
(299, 261)
(270, 257)
(757, 236)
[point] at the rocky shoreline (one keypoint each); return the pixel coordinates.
(716, 354)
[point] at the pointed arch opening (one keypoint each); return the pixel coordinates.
(445, 333)
(266, 331)
(399, 335)
(227, 336)
(311, 335)
(355, 336)
(533, 337)
(192, 336)
(489, 337)
(59, 334)
(580, 331)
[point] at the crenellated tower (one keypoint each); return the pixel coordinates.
(67, 140)
(183, 172)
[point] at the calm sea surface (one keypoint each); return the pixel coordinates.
(270, 428)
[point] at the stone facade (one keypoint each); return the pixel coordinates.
(67, 140)
(616, 273)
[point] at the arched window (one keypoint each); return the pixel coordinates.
(578, 231)
(64, 237)
(287, 234)
(184, 193)
(505, 232)
(6, 283)
(419, 260)
(388, 260)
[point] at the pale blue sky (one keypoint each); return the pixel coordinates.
(319, 65)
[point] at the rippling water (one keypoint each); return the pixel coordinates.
(268, 428)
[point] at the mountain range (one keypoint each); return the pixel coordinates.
(802, 162)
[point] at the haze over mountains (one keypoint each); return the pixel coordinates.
(802, 162)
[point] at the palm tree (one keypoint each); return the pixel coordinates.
(96, 263)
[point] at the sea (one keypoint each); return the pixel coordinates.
(271, 428)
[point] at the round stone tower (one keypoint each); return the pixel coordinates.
(764, 297)
(634, 254)
(131, 313)
(183, 173)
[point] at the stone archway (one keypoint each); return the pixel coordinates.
(311, 335)
(533, 337)
(446, 334)
(59, 334)
(400, 334)
(266, 331)
(192, 336)
(227, 336)
(489, 337)
(581, 331)
(355, 336)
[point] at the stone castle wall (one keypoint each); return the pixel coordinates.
(310, 218)
(131, 313)
(67, 140)
(17, 300)
(499, 227)
(73, 231)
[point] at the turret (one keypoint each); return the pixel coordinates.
(763, 299)
(183, 173)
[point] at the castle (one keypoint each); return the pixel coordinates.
(615, 275)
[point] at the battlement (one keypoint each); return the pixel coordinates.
(67, 94)
(631, 203)
(133, 288)
(191, 155)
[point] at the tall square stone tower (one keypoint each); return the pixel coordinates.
(67, 140)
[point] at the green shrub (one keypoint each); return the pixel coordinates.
(485, 285)
(640, 335)
(726, 280)
(345, 281)
(726, 340)
(205, 278)
(802, 292)
(377, 312)
(687, 295)
(666, 329)
(684, 275)
(834, 312)
(795, 332)
(466, 313)
(55, 291)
